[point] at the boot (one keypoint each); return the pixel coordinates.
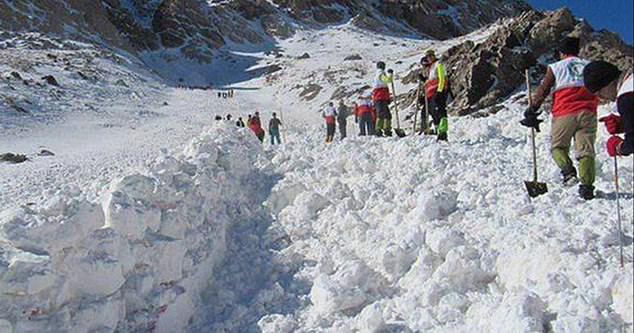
(388, 133)
(569, 176)
(442, 137)
(586, 192)
(378, 132)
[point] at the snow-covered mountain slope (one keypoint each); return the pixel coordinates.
(152, 217)
(368, 235)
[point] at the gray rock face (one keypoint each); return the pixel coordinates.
(198, 27)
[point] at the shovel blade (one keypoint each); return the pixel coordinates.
(400, 132)
(536, 189)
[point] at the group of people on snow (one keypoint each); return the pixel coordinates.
(577, 86)
(254, 123)
(372, 111)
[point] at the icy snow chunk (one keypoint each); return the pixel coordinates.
(283, 195)
(348, 288)
(435, 205)
(442, 240)
(27, 274)
(575, 324)
(60, 224)
(397, 259)
(520, 311)
(421, 270)
(462, 269)
(277, 323)
(371, 320)
(5, 326)
(129, 208)
(100, 316)
(622, 296)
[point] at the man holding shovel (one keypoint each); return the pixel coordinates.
(574, 116)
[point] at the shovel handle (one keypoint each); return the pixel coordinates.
(530, 102)
(398, 121)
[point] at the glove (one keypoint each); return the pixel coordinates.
(390, 71)
(613, 124)
(530, 118)
(614, 146)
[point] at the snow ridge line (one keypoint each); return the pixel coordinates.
(140, 259)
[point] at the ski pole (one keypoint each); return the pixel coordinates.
(618, 209)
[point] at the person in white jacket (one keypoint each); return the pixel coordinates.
(330, 115)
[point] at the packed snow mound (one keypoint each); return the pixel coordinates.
(410, 235)
(139, 259)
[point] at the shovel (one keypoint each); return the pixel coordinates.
(534, 187)
(399, 131)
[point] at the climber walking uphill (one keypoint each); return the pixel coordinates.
(436, 90)
(608, 82)
(274, 129)
(381, 98)
(330, 114)
(574, 116)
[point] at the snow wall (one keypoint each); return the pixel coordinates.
(138, 260)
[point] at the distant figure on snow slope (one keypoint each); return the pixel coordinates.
(256, 126)
(436, 88)
(342, 119)
(365, 115)
(608, 82)
(381, 98)
(574, 116)
(274, 129)
(329, 114)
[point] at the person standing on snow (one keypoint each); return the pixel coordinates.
(240, 122)
(274, 129)
(330, 114)
(574, 116)
(256, 127)
(381, 98)
(608, 82)
(436, 87)
(342, 119)
(364, 114)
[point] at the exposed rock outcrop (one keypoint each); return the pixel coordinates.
(483, 74)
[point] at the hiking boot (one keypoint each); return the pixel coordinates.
(388, 133)
(378, 133)
(569, 176)
(442, 137)
(586, 192)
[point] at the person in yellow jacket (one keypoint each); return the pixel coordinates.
(436, 89)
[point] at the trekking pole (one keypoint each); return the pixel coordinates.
(618, 210)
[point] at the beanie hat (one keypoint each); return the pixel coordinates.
(570, 45)
(599, 74)
(380, 65)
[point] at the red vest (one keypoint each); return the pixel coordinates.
(571, 97)
(381, 95)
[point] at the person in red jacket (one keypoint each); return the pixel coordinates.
(574, 116)
(381, 98)
(364, 112)
(255, 125)
(330, 115)
(608, 82)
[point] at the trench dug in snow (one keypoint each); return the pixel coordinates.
(366, 235)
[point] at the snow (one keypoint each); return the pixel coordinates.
(171, 222)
